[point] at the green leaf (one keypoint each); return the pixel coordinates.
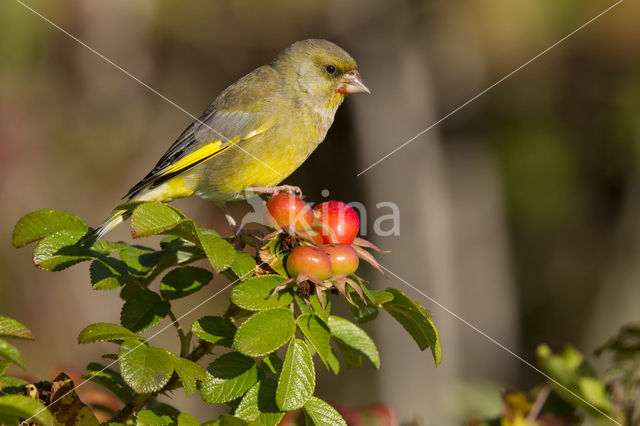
(351, 357)
(317, 332)
(216, 330)
(322, 413)
(228, 377)
(108, 273)
(243, 265)
(228, 420)
(140, 260)
(39, 224)
(145, 369)
(221, 254)
(265, 332)
(183, 281)
(570, 370)
(10, 384)
(353, 336)
(12, 328)
(14, 407)
(105, 332)
(254, 294)
(148, 417)
(59, 251)
(154, 218)
(333, 362)
(109, 379)
(416, 320)
(11, 353)
(366, 312)
(108, 247)
(259, 404)
(143, 310)
(272, 364)
(298, 378)
(186, 419)
(190, 372)
(362, 312)
(4, 366)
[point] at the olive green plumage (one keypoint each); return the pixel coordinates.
(257, 132)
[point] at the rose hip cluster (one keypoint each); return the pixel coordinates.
(330, 250)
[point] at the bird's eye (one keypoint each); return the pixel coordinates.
(330, 69)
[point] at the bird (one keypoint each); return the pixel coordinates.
(257, 132)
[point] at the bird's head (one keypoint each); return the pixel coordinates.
(321, 69)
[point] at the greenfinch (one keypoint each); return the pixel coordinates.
(257, 132)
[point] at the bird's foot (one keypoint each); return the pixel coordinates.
(275, 190)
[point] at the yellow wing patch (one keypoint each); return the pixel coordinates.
(209, 150)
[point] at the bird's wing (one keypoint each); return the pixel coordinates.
(238, 114)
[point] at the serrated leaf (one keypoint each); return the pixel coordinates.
(59, 251)
(109, 379)
(351, 357)
(183, 281)
(148, 417)
(228, 377)
(243, 265)
(416, 320)
(254, 294)
(272, 364)
(355, 337)
(298, 378)
(190, 372)
(108, 247)
(40, 223)
(216, 330)
(12, 328)
(322, 413)
(145, 369)
(139, 259)
(162, 408)
(154, 218)
(259, 404)
(105, 332)
(220, 253)
(11, 353)
(317, 332)
(108, 274)
(333, 362)
(186, 419)
(14, 407)
(143, 310)
(265, 332)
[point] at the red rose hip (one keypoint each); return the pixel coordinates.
(287, 209)
(341, 219)
(344, 259)
(309, 261)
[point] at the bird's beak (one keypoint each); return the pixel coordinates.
(351, 82)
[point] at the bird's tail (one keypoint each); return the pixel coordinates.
(107, 226)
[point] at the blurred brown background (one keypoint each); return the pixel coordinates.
(520, 213)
